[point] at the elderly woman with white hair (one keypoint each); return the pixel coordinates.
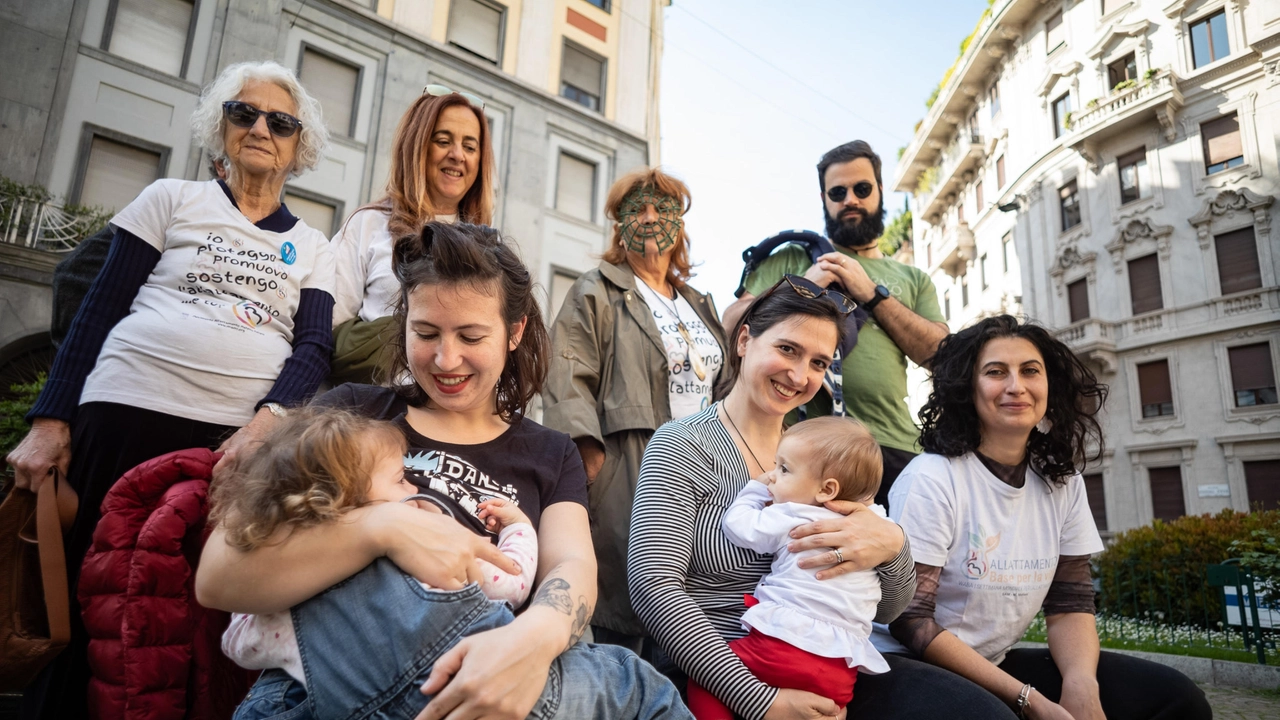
(213, 311)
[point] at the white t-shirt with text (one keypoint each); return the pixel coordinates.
(212, 326)
(998, 546)
(366, 283)
(688, 393)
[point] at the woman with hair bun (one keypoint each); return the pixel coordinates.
(470, 353)
(1000, 529)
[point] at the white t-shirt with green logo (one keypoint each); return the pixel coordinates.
(212, 326)
(998, 546)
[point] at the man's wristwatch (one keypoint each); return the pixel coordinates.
(881, 293)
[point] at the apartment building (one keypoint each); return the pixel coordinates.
(96, 96)
(1109, 169)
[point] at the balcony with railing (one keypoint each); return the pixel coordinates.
(1156, 97)
(951, 249)
(38, 223)
(966, 152)
(1093, 339)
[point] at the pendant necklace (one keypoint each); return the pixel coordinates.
(743, 438)
(695, 360)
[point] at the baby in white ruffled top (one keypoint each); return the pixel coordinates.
(804, 633)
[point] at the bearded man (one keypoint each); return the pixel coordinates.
(905, 319)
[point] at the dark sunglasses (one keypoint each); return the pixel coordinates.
(242, 114)
(812, 291)
(861, 190)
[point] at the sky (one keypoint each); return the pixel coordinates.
(755, 91)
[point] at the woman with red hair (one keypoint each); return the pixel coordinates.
(441, 169)
(634, 317)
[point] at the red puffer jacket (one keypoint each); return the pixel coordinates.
(154, 651)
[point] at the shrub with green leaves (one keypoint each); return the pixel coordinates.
(13, 426)
(1157, 572)
(1260, 555)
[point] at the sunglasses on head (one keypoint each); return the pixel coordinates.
(812, 291)
(242, 114)
(439, 90)
(861, 190)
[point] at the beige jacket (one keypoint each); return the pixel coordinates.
(609, 381)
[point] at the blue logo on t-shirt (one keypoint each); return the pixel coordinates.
(288, 253)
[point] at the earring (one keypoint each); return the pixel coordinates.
(1045, 425)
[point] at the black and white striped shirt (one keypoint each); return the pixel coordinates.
(687, 580)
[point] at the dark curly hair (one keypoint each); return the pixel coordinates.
(950, 420)
(477, 256)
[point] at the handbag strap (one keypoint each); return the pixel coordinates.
(53, 502)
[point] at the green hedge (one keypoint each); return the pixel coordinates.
(1157, 572)
(12, 425)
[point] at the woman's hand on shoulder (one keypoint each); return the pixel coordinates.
(863, 539)
(435, 549)
(47, 445)
(801, 705)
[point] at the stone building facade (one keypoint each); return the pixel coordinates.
(1109, 169)
(96, 95)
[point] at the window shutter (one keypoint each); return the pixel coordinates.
(1153, 383)
(561, 283)
(116, 173)
(1097, 499)
(333, 83)
(316, 215)
(977, 194)
(152, 33)
(1251, 367)
(575, 187)
(1166, 493)
(1055, 35)
(1144, 284)
(581, 70)
(1221, 140)
(1262, 479)
(1238, 268)
(1078, 299)
(1000, 172)
(477, 27)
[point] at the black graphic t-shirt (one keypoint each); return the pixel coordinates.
(530, 465)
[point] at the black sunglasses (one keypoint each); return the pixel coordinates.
(242, 114)
(862, 190)
(812, 291)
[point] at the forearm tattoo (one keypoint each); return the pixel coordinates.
(556, 593)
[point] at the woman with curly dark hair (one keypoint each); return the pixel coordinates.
(1000, 529)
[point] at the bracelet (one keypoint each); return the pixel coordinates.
(1024, 699)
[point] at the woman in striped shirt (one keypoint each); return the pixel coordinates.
(686, 579)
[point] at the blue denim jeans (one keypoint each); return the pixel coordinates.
(369, 642)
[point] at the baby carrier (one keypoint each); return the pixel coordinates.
(815, 246)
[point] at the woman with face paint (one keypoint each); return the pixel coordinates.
(441, 169)
(633, 347)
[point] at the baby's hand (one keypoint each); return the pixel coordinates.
(762, 479)
(498, 514)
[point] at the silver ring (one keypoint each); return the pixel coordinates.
(839, 556)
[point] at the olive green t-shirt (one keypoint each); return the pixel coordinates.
(875, 373)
